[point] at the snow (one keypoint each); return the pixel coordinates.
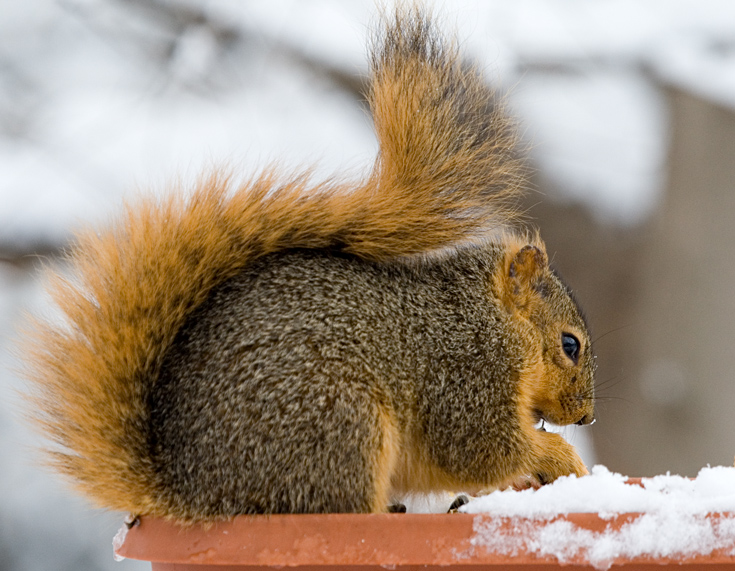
(673, 521)
(119, 540)
(653, 535)
(605, 492)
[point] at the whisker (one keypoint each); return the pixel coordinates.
(604, 399)
(605, 385)
(620, 399)
(611, 331)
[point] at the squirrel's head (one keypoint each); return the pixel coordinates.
(561, 371)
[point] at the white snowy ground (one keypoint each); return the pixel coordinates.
(100, 99)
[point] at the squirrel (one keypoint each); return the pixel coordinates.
(283, 346)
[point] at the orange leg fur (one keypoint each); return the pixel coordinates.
(387, 459)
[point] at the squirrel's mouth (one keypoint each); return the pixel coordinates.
(540, 419)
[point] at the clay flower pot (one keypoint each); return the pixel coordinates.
(670, 521)
(393, 541)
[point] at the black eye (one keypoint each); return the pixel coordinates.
(570, 344)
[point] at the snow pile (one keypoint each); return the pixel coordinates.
(672, 523)
(118, 540)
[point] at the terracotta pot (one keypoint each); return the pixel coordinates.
(378, 541)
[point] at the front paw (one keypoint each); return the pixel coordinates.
(554, 468)
(572, 465)
(531, 481)
(525, 482)
(558, 459)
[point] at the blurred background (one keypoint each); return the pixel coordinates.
(628, 107)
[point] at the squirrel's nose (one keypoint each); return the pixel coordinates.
(586, 419)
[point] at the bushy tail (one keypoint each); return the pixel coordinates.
(448, 166)
(446, 174)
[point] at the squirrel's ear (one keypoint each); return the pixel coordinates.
(527, 266)
(524, 268)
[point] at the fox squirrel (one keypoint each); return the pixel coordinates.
(286, 347)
